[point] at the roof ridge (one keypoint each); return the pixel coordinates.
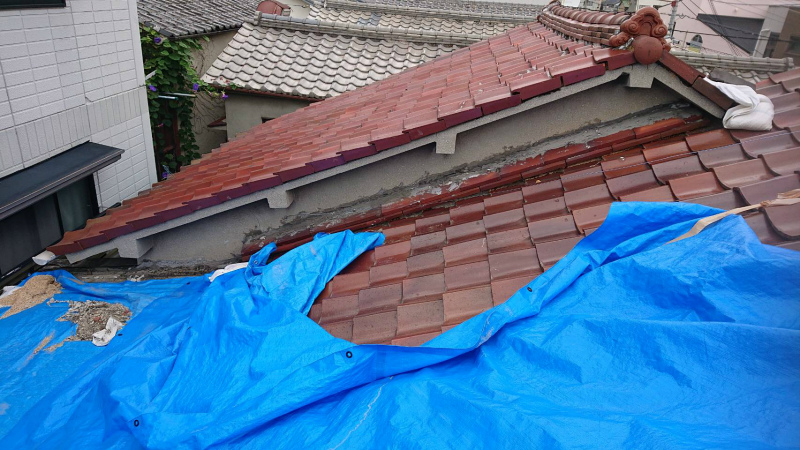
(742, 62)
(427, 12)
(368, 31)
(485, 78)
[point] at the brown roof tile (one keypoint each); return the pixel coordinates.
(483, 263)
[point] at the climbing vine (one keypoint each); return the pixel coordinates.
(170, 97)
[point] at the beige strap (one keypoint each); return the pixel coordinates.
(784, 199)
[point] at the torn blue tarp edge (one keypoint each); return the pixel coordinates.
(569, 266)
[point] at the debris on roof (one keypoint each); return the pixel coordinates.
(629, 335)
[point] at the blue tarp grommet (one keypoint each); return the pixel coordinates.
(136, 422)
(530, 290)
(349, 354)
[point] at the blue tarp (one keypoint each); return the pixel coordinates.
(626, 342)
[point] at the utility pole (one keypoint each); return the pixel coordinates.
(672, 19)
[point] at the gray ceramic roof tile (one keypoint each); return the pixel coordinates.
(410, 21)
(333, 64)
(748, 68)
(195, 17)
(479, 7)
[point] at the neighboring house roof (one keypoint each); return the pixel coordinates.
(195, 17)
(313, 64)
(412, 21)
(346, 45)
(748, 68)
(467, 6)
(465, 85)
(742, 31)
(359, 29)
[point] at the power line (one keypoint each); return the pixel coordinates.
(730, 44)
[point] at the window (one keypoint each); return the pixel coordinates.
(696, 42)
(26, 233)
(19, 4)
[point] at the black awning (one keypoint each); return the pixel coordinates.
(27, 186)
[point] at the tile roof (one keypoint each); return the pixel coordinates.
(748, 68)
(479, 80)
(472, 7)
(195, 17)
(310, 64)
(404, 20)
(449, 257)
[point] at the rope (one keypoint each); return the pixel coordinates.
(784, 199)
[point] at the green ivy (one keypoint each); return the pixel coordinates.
(170, 61)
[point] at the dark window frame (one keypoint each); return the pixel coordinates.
(31, 4)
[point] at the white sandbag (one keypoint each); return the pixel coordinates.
(754, 111)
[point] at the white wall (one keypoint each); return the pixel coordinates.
(71, 75)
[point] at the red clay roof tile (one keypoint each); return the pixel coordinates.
(503, 289)
(462, 305)
(783, 162)
(420, 318)
(349, 284)
(742, 173)
(769, 189)
(465, 252)
(551, 252)
(424, 288)
(590, 196)
(677, 168)
(658, 194)
(506, 220)
(785, 220)
(552, 229)
(374, 328)
(465, 232)
(634, 182)
(428, 242)
(339, 309)
(514, 264)
(725, 200)
(709, 139)
(466, 275)
(389, 253)
(426, 263)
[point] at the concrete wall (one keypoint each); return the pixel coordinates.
(71, 75)
(219, 237)
(208, 108)
(686, 24)
(244, 111)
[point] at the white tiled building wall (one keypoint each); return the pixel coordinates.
(72, 75)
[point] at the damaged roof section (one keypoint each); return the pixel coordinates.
(452, 255)
(418, 105)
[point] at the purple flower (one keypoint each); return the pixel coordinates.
(224, 95)
(157, 40)
(195, 87)
(151, 87)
